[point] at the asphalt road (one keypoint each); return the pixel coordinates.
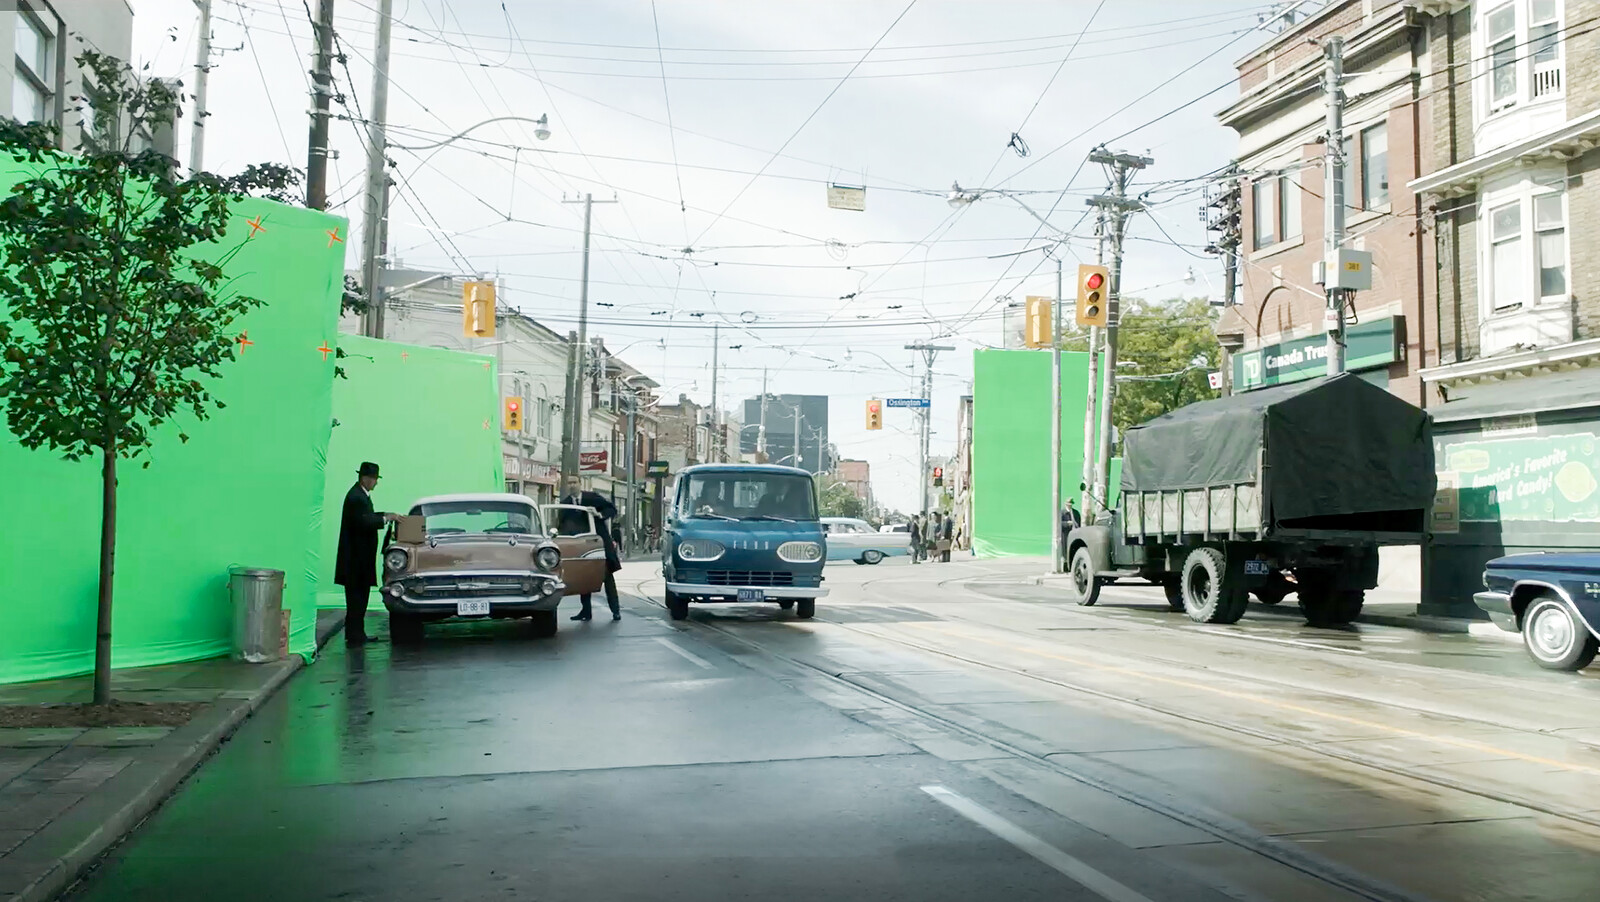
(944, 731)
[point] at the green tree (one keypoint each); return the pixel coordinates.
(1174, 346)
(114, 308)
(839, 500)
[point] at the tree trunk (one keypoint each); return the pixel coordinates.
(108, 566)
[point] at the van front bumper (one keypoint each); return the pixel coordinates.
(771, 592)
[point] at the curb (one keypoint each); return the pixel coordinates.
(197, 740)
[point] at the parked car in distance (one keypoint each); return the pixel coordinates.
(850, 539)
(743, 533)
(480, 555)
(1553, 599)
(575, 531)
(896, 527)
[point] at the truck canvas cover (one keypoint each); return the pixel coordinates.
(1330, 447)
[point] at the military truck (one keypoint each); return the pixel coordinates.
(1286, 489)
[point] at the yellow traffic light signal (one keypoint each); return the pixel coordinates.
(1094, 306)
(874, 414)
(477, 309)
(513, 415)
(1037, 334)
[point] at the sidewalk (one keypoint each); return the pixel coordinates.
(1383, 608)
(67, 795)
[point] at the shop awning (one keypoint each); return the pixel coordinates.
(1518, 395)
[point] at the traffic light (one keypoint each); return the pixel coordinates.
(477, 309)
(1037, 334)
(938, 476)
(513, 415)
(874, 414)
(1093, 289)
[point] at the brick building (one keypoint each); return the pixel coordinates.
(857, 474)
(1280, 119)
(1513, 209)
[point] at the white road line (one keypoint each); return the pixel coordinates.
(687, 654)
(1088, 877)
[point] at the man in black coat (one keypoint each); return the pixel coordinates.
(606, 513)
(357, 566)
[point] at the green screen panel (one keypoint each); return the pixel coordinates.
(1011, 500)
(246, 489)
(428, 417)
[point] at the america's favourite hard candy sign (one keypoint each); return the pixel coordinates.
(1552, 477)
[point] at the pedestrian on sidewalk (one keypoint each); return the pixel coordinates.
(606, 514)
(356, 567)
(916, 539)
(947, 536)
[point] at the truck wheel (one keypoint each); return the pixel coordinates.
(1085, 585)
(1173, 587)
(1555, 638)
(544, 624)
(677, 606)
(404, 628)
(1208, 595)
(805, 608)
(1325, 605)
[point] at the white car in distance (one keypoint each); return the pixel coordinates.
(850, 539)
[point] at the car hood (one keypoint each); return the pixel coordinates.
(1557, 560)
(454, 555)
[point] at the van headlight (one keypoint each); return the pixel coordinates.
(800, 552)
(700, 550)
(395, 559)
(548, 558)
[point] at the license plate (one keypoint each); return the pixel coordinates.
(752, 595)
(471, 608)
(1256, 568)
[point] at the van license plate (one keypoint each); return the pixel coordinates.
(471, 608)
(1256, 568)
(748, 595)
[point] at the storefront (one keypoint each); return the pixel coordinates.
(1370, 348)
(1517, 451)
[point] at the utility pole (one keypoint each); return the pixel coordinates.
(1084, 508)
(761, 428)
(1055, 427)
(377, 177)
(569, 460)
(569, 436)
(1333, 318)
(1119, 208)
(321, 95)
(202, 74)
(929, 353)
(716, 418)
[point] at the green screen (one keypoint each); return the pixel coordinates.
(1011, 500)
(429, 418)
(246, 489)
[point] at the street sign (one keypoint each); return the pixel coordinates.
(908, 402)
(593, 461)
(1214, 380)
(847, 197)
(657, 468)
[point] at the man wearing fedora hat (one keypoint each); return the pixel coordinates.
(357, 566)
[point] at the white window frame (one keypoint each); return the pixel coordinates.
(1265, 209)
(1280, 193)
(1361, 148)
(46, 82)
(1524, 193)
(1527, 72)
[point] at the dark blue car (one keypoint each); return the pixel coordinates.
(743, 533)
(1553, 599)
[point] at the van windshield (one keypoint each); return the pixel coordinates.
(748, 496)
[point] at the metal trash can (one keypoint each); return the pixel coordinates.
(258, 623)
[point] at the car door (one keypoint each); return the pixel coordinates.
(583, 551)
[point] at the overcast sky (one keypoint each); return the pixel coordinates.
(814, 295)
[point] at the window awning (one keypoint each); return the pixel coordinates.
(1564, 142)
(1517, 395)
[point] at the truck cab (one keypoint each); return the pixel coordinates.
(743, 533)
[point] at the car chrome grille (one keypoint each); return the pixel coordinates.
(749, 578)
(466, 586)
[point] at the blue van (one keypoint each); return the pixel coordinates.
(744, 533)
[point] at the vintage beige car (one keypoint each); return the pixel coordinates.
(583, 551)
(475, 556)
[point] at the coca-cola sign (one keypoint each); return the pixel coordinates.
(593, 461)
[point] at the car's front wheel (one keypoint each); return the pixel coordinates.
(1555, 637)
(404, 628)
(544, 624)
(677, 606)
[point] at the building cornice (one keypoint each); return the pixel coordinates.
(1558, 358)
(1565, 142)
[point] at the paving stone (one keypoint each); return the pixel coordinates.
(10, 839)
(35, 811)
(34, 737)
(111, 737)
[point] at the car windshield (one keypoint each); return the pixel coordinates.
(748, 496)
(443, 518)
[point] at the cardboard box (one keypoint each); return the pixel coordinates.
(410, 529)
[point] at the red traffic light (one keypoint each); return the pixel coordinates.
(938, 472)
(872, 406)
(513, 406)
(1095, 280)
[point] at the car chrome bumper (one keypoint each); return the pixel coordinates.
(1498, 606)
(773, 592)
(443, 604)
